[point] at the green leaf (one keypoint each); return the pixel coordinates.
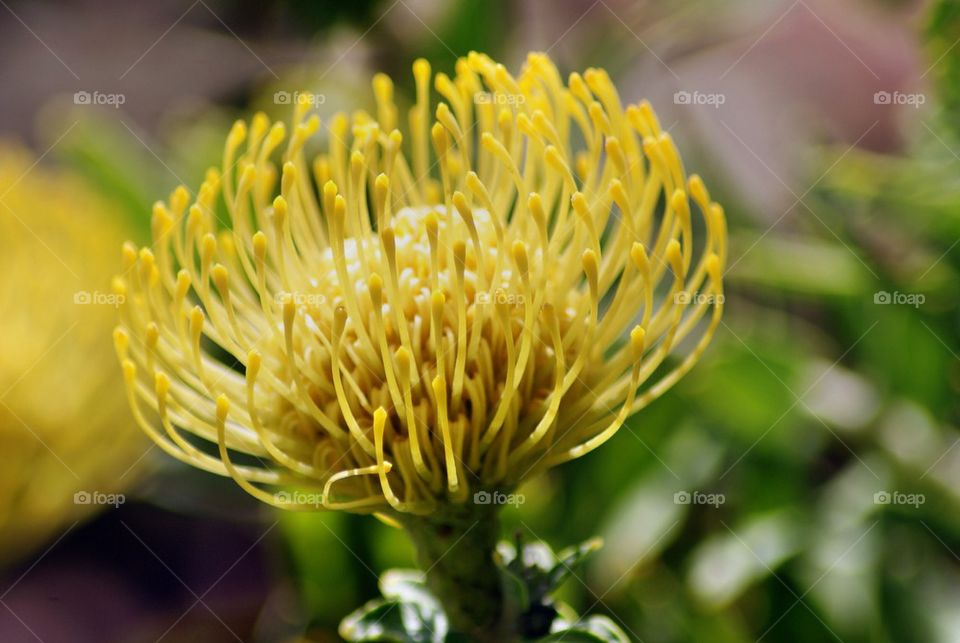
(573, 636)
(392, 620)
(592, 628)
(409, 614)
(570, 559)
(539, 556)
(530, 570)
(378, 620)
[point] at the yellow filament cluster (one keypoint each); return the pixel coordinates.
(398, 320)
(63, 429)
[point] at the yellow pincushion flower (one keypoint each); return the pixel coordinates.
(397, 333)
(66, 440)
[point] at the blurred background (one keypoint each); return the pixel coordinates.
(801, 484)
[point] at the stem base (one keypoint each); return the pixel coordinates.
(455, 547)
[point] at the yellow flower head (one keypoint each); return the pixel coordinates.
(66, 440)
(408, 322)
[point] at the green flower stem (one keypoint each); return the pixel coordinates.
(455, 547)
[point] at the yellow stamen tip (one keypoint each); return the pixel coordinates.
(220, 278)
(639, 256)
(519, 252)
(535, 203)
(421, 70)
(375, 285)
(183, 284)
(129, 371)
(259, 245)
(208, 247)
(128, 255)
(339, 320)
(121, 342)
(288, 178)
(402, 355)
(152, 335)
(194, 218)
(591, 264)
(119, 286)
(339, 207)
(675, 257)
(237, 134)
(196, 320)
(714, 268)
(383, 87)
(223, 407)
(439, 136)
(179, 198)
(432, 223)
(146, 256)
(254, 360)
(161, 384)
(680, 205)
(698, 189)
(637, 341)
(329, 189)
(579, 202)
(460, 203)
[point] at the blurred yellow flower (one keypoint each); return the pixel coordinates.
(66, 441)
(400, 329)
